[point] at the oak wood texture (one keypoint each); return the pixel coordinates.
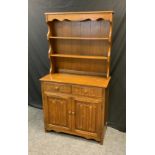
(75, 92)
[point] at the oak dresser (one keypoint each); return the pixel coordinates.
(75, 92)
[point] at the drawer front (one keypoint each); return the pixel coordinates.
(56, 87)
(87, 91)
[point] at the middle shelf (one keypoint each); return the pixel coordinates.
(79, 56)
(79, 38)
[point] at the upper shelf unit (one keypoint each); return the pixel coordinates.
(80, 42)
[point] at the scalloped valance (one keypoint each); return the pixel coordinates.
(79, 16)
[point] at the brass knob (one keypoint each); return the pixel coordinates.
(56, 88)
(69, 112)
(73, 112)
(85, 91)
(54, 101)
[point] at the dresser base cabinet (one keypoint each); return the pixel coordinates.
(75, 109)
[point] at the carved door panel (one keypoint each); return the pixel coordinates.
(86, 119)
(57, 109)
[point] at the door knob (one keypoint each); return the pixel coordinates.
(54, 101)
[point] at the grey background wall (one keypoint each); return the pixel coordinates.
(38, 63)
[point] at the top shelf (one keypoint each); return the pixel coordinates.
(79, 38)
(89, 12)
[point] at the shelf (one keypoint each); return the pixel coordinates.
(77, 79)
(79, 56)
(79, 38)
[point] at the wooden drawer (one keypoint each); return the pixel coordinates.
(87, 91)
(56, 87)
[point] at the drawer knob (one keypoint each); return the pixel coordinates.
(69, 112)
(85, 91)
(56, 88)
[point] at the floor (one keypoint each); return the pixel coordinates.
(52, 143)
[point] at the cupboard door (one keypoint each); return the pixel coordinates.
(86, 117)
(56, 110)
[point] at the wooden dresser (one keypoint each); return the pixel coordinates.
(75, 92)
